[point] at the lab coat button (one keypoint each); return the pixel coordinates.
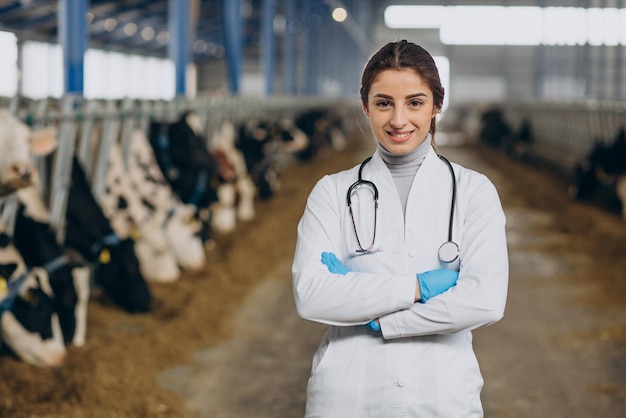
(412, 253)
(400, 383)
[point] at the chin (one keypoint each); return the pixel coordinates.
(400, 149)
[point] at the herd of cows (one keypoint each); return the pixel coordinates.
(134, 212)
(600, 176)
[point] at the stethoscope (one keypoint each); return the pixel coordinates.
(448, 251)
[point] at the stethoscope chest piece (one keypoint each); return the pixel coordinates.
(448, 252)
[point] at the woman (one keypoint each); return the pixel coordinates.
(400, 312)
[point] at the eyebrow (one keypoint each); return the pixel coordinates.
(410, 96)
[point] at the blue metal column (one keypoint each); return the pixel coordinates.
(267, 55)
(178, 47)
(305, 47)
(364, 19)
(318, 48)
(324, 36)
(233, 42)
(72, 36)
(289, 55)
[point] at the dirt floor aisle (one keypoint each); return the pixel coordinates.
(262, 370)
(560, 351)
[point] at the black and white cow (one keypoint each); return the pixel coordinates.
(17, 143)
(29, 325)
(267, 148)
(602, 172)
(129, 217)
(68, 275)
(198, 176)
(185, 160)
(323, 129)
(494, 128)
(519, 142)
(236, 201)
(114, 261)
(179, 221)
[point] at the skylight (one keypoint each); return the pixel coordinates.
(509, 25)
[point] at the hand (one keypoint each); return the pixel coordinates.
(435, 282)
(334, 265)
(373, 325)
(331, 261)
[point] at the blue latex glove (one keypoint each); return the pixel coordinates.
(334, 265)
(435, 282)
(373, 325)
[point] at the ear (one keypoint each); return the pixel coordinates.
(43, 141)
(365, 110)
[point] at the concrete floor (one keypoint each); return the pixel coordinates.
(539, 361)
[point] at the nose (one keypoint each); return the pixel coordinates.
(398, 118)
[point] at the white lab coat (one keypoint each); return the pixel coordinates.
(423, 365)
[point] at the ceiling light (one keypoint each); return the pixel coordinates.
(130, 29)
(147, 33)
(339, 14)
(110, 24)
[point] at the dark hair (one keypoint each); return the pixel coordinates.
(403, 55)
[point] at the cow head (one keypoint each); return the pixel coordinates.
(185, 160)
(68, 275)
(17, 143)
(157, 260)
(29, 325)
(117, 270)
(183, 232)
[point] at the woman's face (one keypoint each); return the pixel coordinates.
(400, 107)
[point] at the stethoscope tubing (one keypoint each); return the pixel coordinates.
(453, 200)
(445, 247)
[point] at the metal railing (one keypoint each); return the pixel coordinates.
(562, 132)
(77, 120)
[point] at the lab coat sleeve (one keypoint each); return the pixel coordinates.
(479, 297)
(335, 299)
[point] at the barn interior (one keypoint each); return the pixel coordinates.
(534, 99)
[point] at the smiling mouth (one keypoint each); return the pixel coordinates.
(399, 136)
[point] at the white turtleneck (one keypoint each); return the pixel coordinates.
(404, 167)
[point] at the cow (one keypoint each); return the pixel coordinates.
(197, 176)
(18, 142)
(239, 204)
(129, 217)
(69, 276)
(517, 145)
(183, 230)
(114, 261)
(323, 129)
(29, 325)
(602, 173)
(494, 127)
(185, 160)
(267, 147)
